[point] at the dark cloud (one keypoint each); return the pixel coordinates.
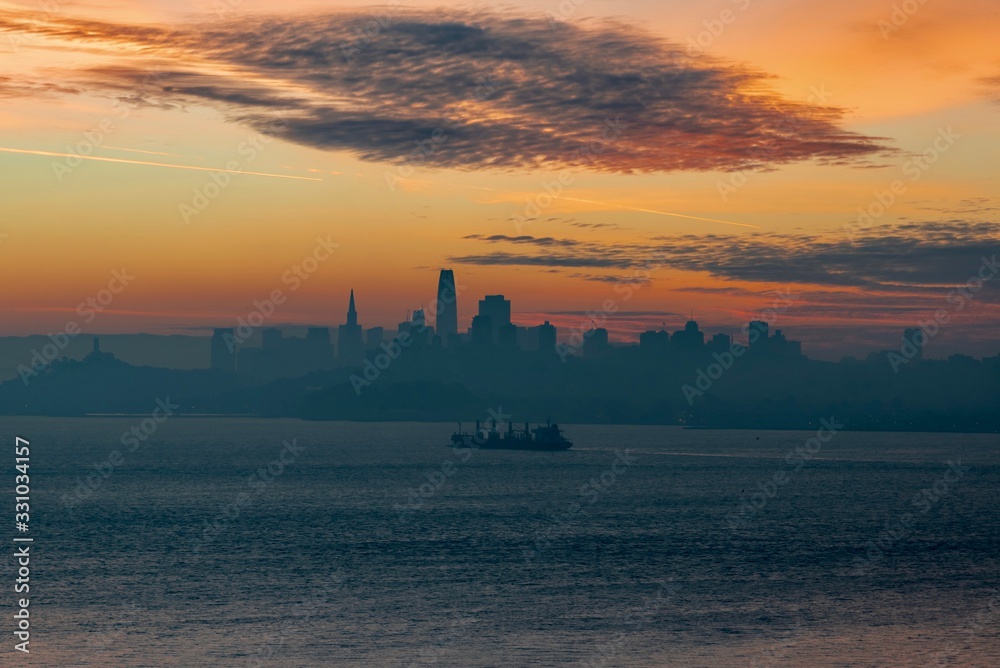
(611, 278)
(497, 90)
(906, 258)
(971, 206)
(524, 239)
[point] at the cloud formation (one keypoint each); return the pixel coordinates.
(498, 90)
(906, 259)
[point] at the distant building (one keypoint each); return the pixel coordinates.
(482, 330)
(507, 336)
(654, 343)
(721, 343)
(350, 337)
(447, 308)
(374, 337)
(779, 346)
(416, 327)
(527, 338)
(596, 343)
(223, 352)
(497, 309)
(546, 337)
(688, 339)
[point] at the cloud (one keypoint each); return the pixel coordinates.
(908, 258)
(449, 89)
(11, 88)
(524, 239)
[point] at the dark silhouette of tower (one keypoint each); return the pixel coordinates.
(350, 337)
(446, 322)
(758, 335)
(547, 338)
(497, 309)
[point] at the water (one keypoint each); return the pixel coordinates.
(339, 557)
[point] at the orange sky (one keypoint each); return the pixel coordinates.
(67, 229)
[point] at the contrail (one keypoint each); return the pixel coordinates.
(136, 150)
(151, 164)
(662, 213)
(591, 201)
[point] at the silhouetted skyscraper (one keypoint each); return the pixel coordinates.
(482, 330)
(446, 318)
(497, 309)
(596, 343)
(507, 336)
(688, 339)
(547, 338)
(350, 337)
(654, 343)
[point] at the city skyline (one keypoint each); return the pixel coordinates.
(860, 189)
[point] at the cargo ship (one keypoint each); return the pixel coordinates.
(545, 437)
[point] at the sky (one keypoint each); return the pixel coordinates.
(830, 167)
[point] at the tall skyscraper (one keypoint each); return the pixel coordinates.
(350, 337)
(447, 307)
